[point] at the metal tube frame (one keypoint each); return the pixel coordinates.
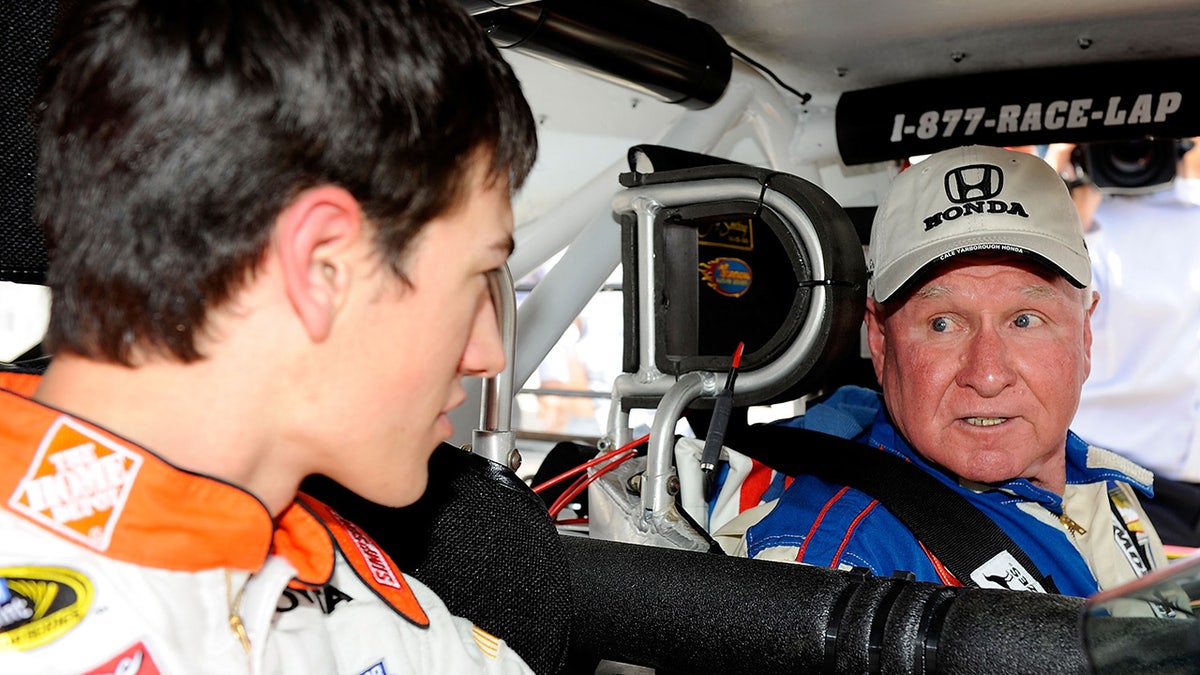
(646, 202)
(583, 225)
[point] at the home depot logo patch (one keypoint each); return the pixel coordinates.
(77, 483)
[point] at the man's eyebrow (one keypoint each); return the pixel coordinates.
(932, 291)
(1033, 291)
(1041, 292)
(507, 246)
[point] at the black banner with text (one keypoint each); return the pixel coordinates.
(1079, 104)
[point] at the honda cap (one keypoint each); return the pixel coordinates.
(972, 199)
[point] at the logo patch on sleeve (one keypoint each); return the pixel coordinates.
(77, 484)
(42, 604)
(135, 660)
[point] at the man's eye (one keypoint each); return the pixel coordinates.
(1025, 321)
(940, 324)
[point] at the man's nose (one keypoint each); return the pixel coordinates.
(484, 353)
(986, 366)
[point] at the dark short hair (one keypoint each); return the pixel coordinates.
(173, 132)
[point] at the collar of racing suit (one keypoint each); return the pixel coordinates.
(851, 412)
(106, 493)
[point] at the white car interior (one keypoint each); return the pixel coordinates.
(776, 126)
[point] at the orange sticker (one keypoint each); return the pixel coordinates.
(77, 483)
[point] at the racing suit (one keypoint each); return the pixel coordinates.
(114, 561)
(1093, 537)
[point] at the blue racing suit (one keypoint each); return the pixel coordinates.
(1103, 541)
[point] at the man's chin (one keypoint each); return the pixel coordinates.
(399, 496)
(444, 427)
(988, 473)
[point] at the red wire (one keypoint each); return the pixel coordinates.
(584, 467)
(567, 495)
(737, 354)
(584, 481)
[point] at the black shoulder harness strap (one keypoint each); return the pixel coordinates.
(949, 526)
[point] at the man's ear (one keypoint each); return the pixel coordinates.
(1087, 329)
(876, 338)
(315, 237)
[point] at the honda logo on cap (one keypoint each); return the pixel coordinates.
(974, 182)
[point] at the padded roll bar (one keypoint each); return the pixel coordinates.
(636, 43)
(706, 613)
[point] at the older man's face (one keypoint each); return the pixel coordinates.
(982, 364)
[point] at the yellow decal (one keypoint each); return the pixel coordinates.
(736, 233)
(39, 604)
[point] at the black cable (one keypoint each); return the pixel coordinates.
(804, 98)
(718, 424)
(762, 192)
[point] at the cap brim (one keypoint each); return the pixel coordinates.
(1054, 254)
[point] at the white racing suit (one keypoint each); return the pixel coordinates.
(113, 561)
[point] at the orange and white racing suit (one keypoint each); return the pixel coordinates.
(114, 561)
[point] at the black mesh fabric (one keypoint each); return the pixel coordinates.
(25, 30)
(483, 541)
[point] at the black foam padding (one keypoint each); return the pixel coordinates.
(852, 651)
(25, 32)
(483, 541)
(688, 612)
(996, 631)
(640, 44)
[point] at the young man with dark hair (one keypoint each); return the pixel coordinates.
(271, 229)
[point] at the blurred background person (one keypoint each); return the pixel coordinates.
(1139, 204)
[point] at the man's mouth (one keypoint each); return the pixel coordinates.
(455, 401)
(984, 421)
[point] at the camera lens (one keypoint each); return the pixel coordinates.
(1133, 158)
(1131, 165)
